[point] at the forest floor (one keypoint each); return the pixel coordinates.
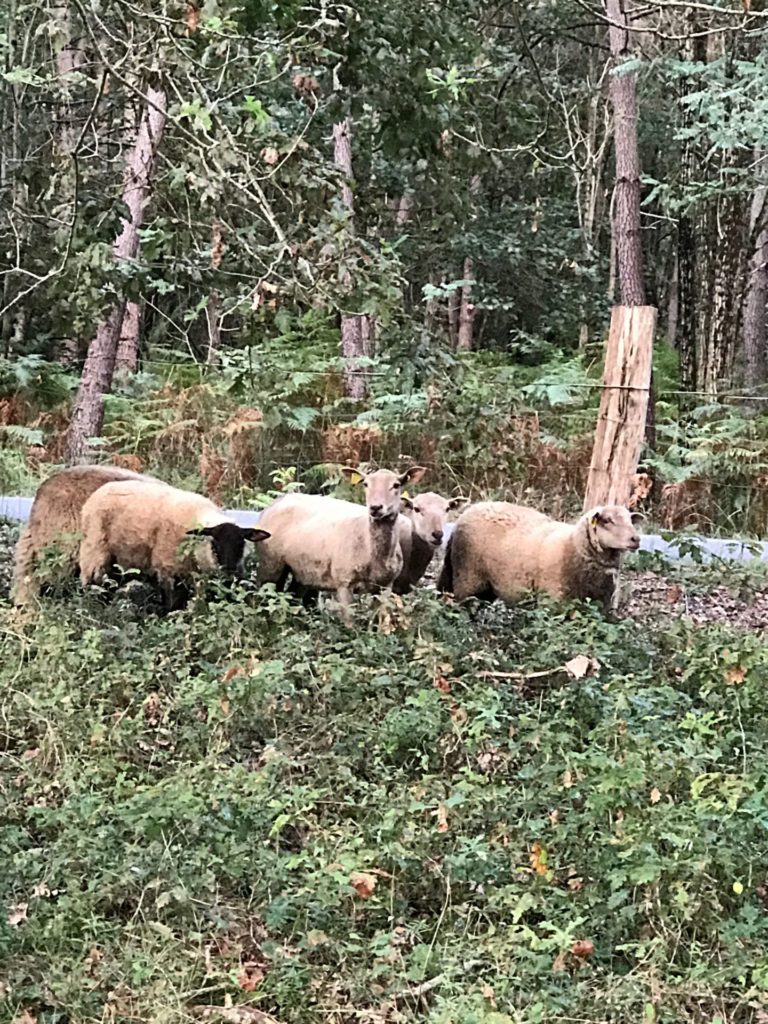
(248, 812)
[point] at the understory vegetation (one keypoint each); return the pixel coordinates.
(246, 811)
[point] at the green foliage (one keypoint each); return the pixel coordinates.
(189, 799)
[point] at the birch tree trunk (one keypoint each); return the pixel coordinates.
(756, 305)
(353, 338)
(466, 310)
(96, 379)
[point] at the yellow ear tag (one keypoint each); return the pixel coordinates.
(355, 478)
(593, 521)
(404, 494)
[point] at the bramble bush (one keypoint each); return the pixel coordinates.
(247, 805)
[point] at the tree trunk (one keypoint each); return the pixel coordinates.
(352, 334)
(127, 359)
(756, 305)
(88, 413)
(626, 196)
(673, 304)
(466, 310)
(623, 406)
(454, 300)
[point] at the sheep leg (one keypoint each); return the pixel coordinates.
(344, 599)
(94, 560)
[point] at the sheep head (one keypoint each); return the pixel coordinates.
(383, 489)
(612, 528)
(428, 513)
(228, 542)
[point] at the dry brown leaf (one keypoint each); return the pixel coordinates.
(655, 795)
(17, 913)
(192, 19)
(583, 948)
(538, 858)
(735, 675)
(30, 755)
(363, 882)
(560, 963)
(442, 684)
(250, 976)
(567, 779)
(225, 707)
(442, 818)
(575, 884)
(25, 1017)
(674, 593)
(582, 665)
(489, 994)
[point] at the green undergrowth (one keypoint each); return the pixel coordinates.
(247, 804)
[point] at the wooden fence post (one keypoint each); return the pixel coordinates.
(623, 406)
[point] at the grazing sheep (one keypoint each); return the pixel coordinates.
(140, 525)
(501, 550)
(421, 533)
(328, 544)
(54, 521)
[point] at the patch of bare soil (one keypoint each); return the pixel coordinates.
(654, 596)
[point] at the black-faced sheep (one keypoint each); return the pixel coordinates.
(501, 550)
(328, 544)
(54, 522)
(139, 525)
(422, 525)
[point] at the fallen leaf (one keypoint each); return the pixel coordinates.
(30, 755)
(560, 963)
(363, 883)
(655, 795)
(225, 706)
(674, 593)
(442, 684)
(738, 888)
(735, 675)
(554, 817)
(539, 858)
(583, 948)
(315, 937)
(574, 884)
(270, 155)
(567, 778)
(442, 818)
(582, 665)
(17, 914)
(25, 1017)
(489, 994)
(41, 889)
(250, 976)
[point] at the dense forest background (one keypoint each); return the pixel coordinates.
(271, 237)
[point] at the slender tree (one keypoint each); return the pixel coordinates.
(96, 379)
(353, 335)
(756, 305)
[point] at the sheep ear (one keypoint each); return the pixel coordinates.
(405, 500)
(353, 475)
(201, 531)
(413, 475)
(456, 503)
(254, 535)
(637, 517)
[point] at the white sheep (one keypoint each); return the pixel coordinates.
(54, 525)
(139, 525)
(329, 544)
(422, 526)
(501, 550)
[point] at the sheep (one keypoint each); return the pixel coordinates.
(421, 527)
(329, 544)
(500, 550)
(54, 520)
(140, 525)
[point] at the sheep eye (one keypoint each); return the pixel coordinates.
(417, 510)
(395, 487)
